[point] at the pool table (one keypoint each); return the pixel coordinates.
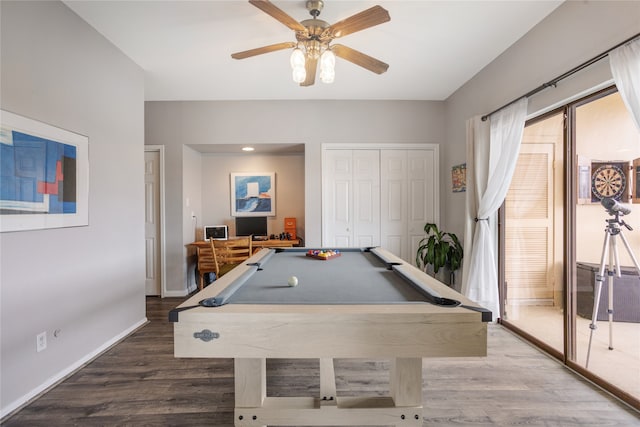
(364, 303)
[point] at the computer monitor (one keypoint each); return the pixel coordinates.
(216, 232)
(251, 226)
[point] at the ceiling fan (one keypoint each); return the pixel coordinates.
(314, 37)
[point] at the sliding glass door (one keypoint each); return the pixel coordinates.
(534, 232)
(557, 222)
(607, 145)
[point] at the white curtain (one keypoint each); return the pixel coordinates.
(625, 67)
(477, 173)
(491, 162)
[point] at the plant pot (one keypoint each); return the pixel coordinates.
(444, 275)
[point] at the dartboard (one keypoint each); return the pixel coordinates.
(608, 181)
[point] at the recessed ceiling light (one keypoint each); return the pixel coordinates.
(248, 148)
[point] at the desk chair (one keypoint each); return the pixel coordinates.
(230, 253)
(206, 263)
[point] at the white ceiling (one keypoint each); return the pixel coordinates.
(432, 47)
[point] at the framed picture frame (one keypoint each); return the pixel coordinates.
(459, 178)
(584, 180)
(253, 194)
(44, 174)
(635, 176)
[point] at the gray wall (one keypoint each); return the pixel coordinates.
(88, 282)
(574, 33)
(311, 123)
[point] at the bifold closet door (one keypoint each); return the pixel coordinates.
(351, 211)
(408, 183)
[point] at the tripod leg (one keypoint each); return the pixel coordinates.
(593, 326)
(633, 257)
(618, 274)
(596, 293)
(614, 269)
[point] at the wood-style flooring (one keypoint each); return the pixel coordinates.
(138, 382)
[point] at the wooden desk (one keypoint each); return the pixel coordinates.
(275, 243)
(258, 244)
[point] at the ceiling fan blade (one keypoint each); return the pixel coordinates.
(360, 21)
(359, 58)
(310, 65)
(264, 49)
(270, 9)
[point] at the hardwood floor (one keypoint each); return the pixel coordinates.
(138, 382)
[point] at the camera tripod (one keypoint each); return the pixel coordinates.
(610, 248)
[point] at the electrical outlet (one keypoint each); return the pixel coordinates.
(41, 341)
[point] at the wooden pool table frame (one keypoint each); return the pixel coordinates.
(403, 333)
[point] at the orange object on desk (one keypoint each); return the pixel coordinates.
(290, 227)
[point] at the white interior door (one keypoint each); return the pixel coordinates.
(409, 192)
(366, 197)
(337, 230)
(393, 196)
(152, 222)
(351, 208)
(423, 193)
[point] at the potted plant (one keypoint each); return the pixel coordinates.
(440, 250)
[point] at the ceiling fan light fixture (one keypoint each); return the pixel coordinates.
(328, 60)
(328, 66)
(299, 74)
(297, 58)
(327, 76)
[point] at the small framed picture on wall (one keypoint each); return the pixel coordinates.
(459, 178)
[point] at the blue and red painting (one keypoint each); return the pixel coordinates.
(253, 194)
(37, 175)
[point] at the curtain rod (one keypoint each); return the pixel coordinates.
(555, 81)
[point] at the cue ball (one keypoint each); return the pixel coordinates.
(293, 281)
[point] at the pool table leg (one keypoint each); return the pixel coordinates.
(250, 386)
(328, 395)
(406, 383)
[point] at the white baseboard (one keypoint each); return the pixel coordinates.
(181, 293)
(62, 375)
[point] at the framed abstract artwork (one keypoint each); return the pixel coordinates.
(253, 194)
(44, 175)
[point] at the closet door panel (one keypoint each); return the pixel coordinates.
(366, 197)
(337, 207)
(393, 194)
(422, 182)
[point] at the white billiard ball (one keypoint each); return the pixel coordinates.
(293, 281)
